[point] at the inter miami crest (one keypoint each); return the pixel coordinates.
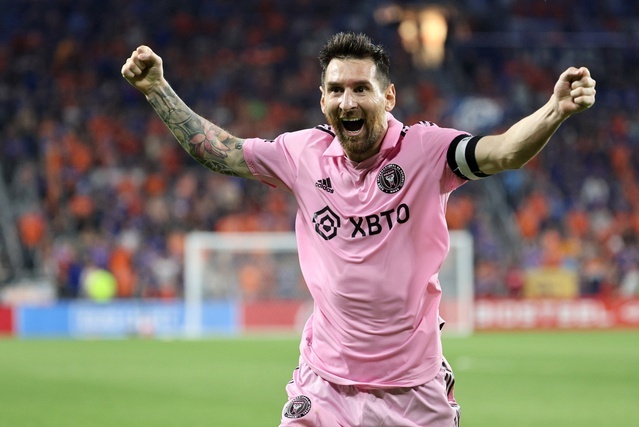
(391, 178)
(297, 407)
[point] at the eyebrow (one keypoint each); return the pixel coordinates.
(355, 83)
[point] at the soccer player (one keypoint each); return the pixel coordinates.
(370, 226)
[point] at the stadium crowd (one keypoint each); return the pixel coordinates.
(94, 179)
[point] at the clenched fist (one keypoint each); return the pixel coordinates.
(143, 69)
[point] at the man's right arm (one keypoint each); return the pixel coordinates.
(206, 142)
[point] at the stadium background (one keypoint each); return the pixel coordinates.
(92, 179)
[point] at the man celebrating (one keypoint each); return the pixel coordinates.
(370, 226)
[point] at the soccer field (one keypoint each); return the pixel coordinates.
(503, 379)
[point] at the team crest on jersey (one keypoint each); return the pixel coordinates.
(391, 178)
(297, 407)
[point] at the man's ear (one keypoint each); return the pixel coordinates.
(322, 102)
(391, 97)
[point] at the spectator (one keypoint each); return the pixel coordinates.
(77, 164)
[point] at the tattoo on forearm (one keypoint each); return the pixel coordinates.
(205, 142)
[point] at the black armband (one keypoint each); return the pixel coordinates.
(461, 157)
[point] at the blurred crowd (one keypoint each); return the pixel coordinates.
(94, 180)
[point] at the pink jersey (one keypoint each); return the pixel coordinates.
(371, 237)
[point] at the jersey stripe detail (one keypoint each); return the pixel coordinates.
(326, 128)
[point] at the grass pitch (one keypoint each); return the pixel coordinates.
(583, 379)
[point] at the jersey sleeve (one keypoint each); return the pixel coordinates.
(274, 162)
(436, 143)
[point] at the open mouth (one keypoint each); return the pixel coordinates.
(353, 125)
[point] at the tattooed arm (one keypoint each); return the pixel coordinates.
(204, 141)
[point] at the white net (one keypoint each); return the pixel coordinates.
(261, 271)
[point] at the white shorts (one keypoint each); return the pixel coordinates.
(315, 402)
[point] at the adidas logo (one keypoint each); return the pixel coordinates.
(325, 184)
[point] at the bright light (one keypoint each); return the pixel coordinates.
(434, 30)
(423, 31)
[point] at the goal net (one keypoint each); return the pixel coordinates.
(259, 273)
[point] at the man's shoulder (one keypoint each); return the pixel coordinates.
(427, 124)
(428, 130)
(421, 126)
(318, 133)
(327, 130)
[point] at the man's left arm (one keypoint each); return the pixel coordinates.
(574, 92)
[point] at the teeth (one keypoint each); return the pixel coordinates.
(352, 124)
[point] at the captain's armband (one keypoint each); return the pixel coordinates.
(461, 157)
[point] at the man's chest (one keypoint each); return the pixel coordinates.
(354, 203)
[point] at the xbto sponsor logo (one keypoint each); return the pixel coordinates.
(327, 223)
(370, 225)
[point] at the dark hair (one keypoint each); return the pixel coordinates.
(356, 46)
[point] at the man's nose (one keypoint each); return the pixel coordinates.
(348, 101)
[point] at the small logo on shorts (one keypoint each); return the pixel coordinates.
(391, 179)
(297, 407)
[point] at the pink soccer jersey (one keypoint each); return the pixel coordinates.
(371, 237)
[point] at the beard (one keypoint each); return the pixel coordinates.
(361, 146)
